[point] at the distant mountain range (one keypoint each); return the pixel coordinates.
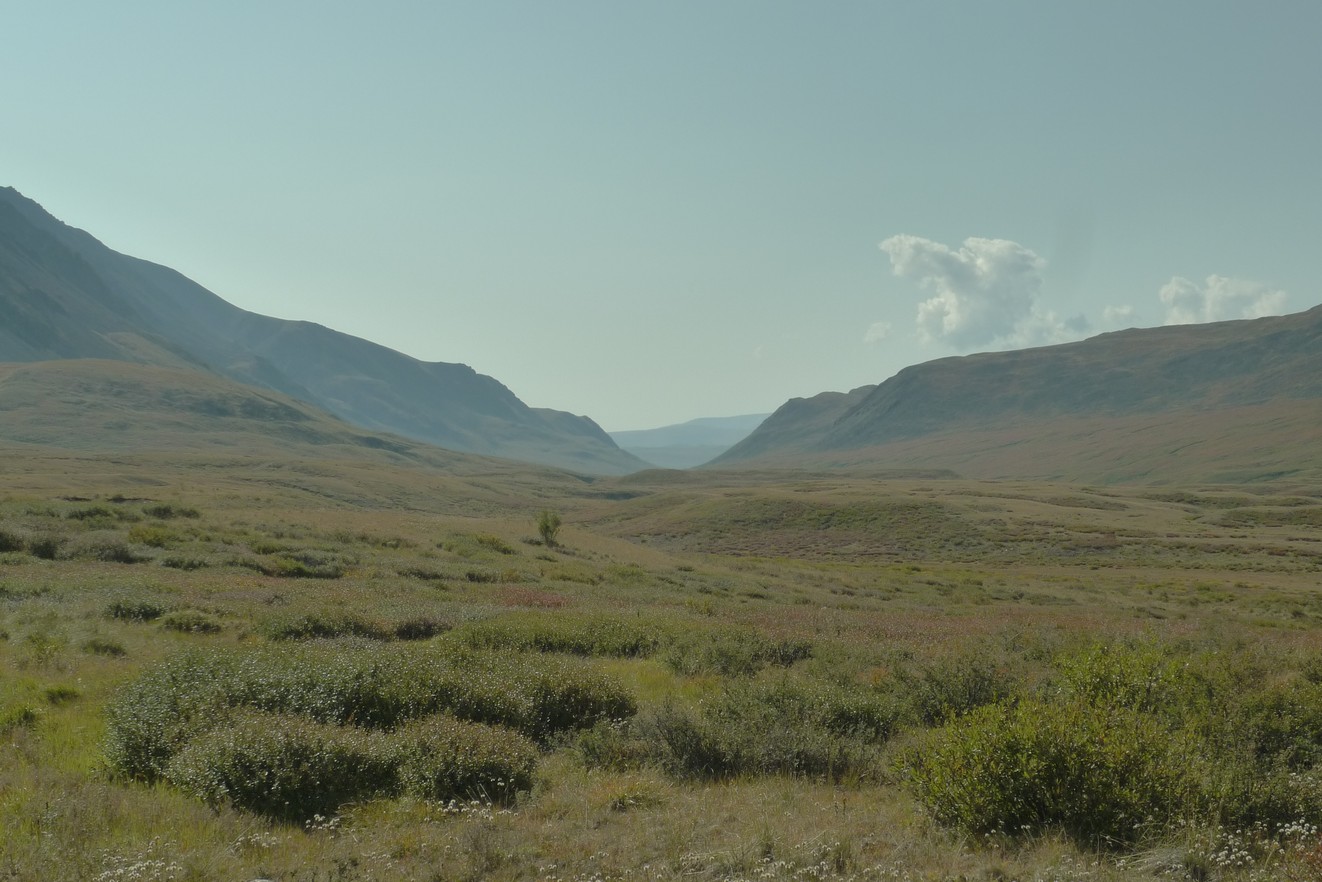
(64, 295)
(1227, 401)
(689, 444)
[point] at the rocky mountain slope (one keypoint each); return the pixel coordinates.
(64, 295)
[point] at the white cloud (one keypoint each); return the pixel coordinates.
(1218, 299)
(1118, 316)
(984, 293)
(877, 332)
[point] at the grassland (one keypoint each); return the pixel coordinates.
(714, 676)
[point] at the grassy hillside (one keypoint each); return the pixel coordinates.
(715, 675)
(1218, 402)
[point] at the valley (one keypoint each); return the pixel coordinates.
(769, 664)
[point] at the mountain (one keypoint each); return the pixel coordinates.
(689, 444)
(64, 295)
(1223, 401)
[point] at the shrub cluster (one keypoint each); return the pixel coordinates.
(731, 651)
(370, 686)
(1128, 738)
(785, 726)
(291, 768)
(573, 633)
(1099, 774)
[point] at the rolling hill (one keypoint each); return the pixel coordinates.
(1227, 401)
(64, 295)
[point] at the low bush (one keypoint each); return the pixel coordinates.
(136, 609)
(362, 684)
(167, 511)
(284, 767)
(90, 513)
(102, 646)
(495, 543)
(306, 565)
(47, 546)
(156, 537)
(787, 727)
(420, 628)
(1101, 775)
(951, 687)
(191, 621)
(577, 634)
(731, 652)
(184, 562)
(11, 540)
(442, 758)
(322, 625)
(105, 546)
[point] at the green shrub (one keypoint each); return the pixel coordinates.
(363, 684)
(441, 758)
(166, 511)
(495, 543)
(46, 547)
(786, 727)
(284, 767)
(21, 717)
(563, 697)
(101, 646)
(182, 562)
(954, 686)
(731, 652)
(548, 527)
(322, 625)
(103, 546)
(90, 513)
(577, 634)
(1101, 775)
(154, 716)
(60, 694)
(420, 628)
(156, 537)
(306, 565)
(11, 540)
(191, 621)
(136, 609)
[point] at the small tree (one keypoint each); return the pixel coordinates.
(548, 524)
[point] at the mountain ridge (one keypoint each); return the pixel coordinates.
(67, 295)
(1228, 368)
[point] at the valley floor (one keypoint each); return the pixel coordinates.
(714, 676)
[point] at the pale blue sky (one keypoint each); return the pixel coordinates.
(653, 212)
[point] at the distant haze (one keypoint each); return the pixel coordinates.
(688, 444)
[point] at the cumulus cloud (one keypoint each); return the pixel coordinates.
(1218, 299)
(986, 292)
(1118, 316)
(877, 332)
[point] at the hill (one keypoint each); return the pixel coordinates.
(689, 444)
(65, 295)
(1226, 401)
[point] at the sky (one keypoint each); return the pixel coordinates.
(653, 212)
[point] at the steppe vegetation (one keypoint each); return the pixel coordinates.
(291, 670)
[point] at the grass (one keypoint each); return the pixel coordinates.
(727, 677)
